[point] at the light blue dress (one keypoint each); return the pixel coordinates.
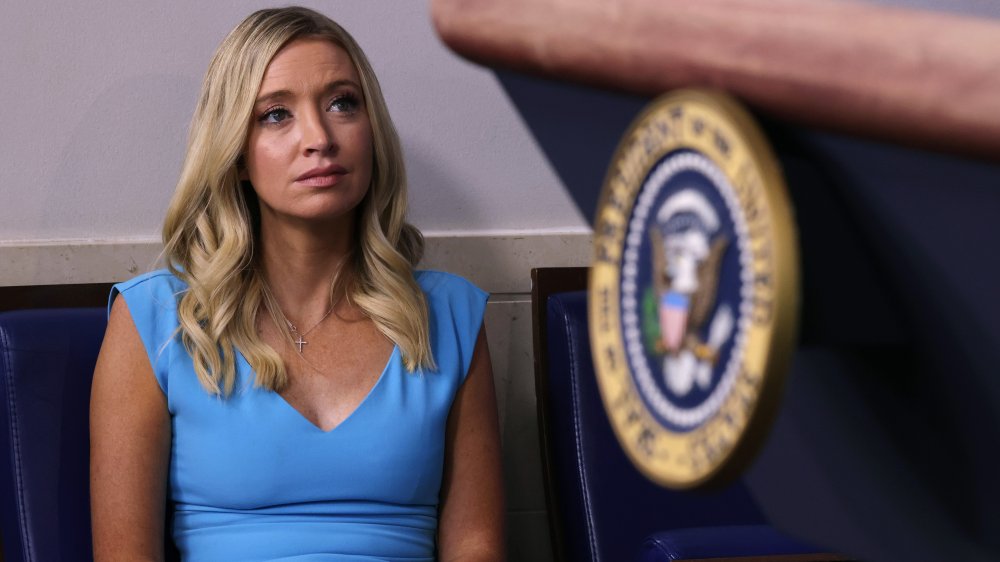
(251, 479)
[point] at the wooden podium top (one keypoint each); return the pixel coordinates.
(911, 77)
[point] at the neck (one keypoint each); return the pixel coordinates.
(299, 263)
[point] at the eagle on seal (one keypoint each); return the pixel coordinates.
(687, 252)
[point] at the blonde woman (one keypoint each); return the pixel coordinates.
(289, 387)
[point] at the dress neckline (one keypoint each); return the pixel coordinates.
(293, 411)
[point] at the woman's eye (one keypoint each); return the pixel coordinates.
(276, 115)
(346, 103)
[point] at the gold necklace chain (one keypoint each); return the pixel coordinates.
(300, 341)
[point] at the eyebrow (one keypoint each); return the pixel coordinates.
(282, 94)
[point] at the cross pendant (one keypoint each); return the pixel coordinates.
(300, 342)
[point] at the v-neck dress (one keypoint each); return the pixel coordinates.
(251, 479)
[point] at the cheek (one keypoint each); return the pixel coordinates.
(263, 161)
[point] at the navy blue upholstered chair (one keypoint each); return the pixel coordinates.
(604, 509)
(47, 362)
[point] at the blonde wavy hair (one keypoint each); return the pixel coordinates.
(211, 229)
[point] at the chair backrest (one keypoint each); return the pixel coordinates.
(605, 507)
(47, 360)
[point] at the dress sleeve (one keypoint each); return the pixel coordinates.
(457, 308)
(470, 310)
(153, 307)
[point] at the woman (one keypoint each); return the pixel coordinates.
(289, 386)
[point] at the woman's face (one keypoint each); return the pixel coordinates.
(309, 150)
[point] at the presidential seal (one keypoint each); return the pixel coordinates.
(693, 289)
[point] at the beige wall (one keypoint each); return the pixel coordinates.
(98, 97)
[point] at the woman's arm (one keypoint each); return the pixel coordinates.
(471, 527)
(129, 447)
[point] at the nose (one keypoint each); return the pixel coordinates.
(317, 133)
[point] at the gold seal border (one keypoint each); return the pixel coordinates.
(715, 125)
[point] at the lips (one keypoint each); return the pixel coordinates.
(322, 176)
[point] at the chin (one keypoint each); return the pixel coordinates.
(320, 208)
